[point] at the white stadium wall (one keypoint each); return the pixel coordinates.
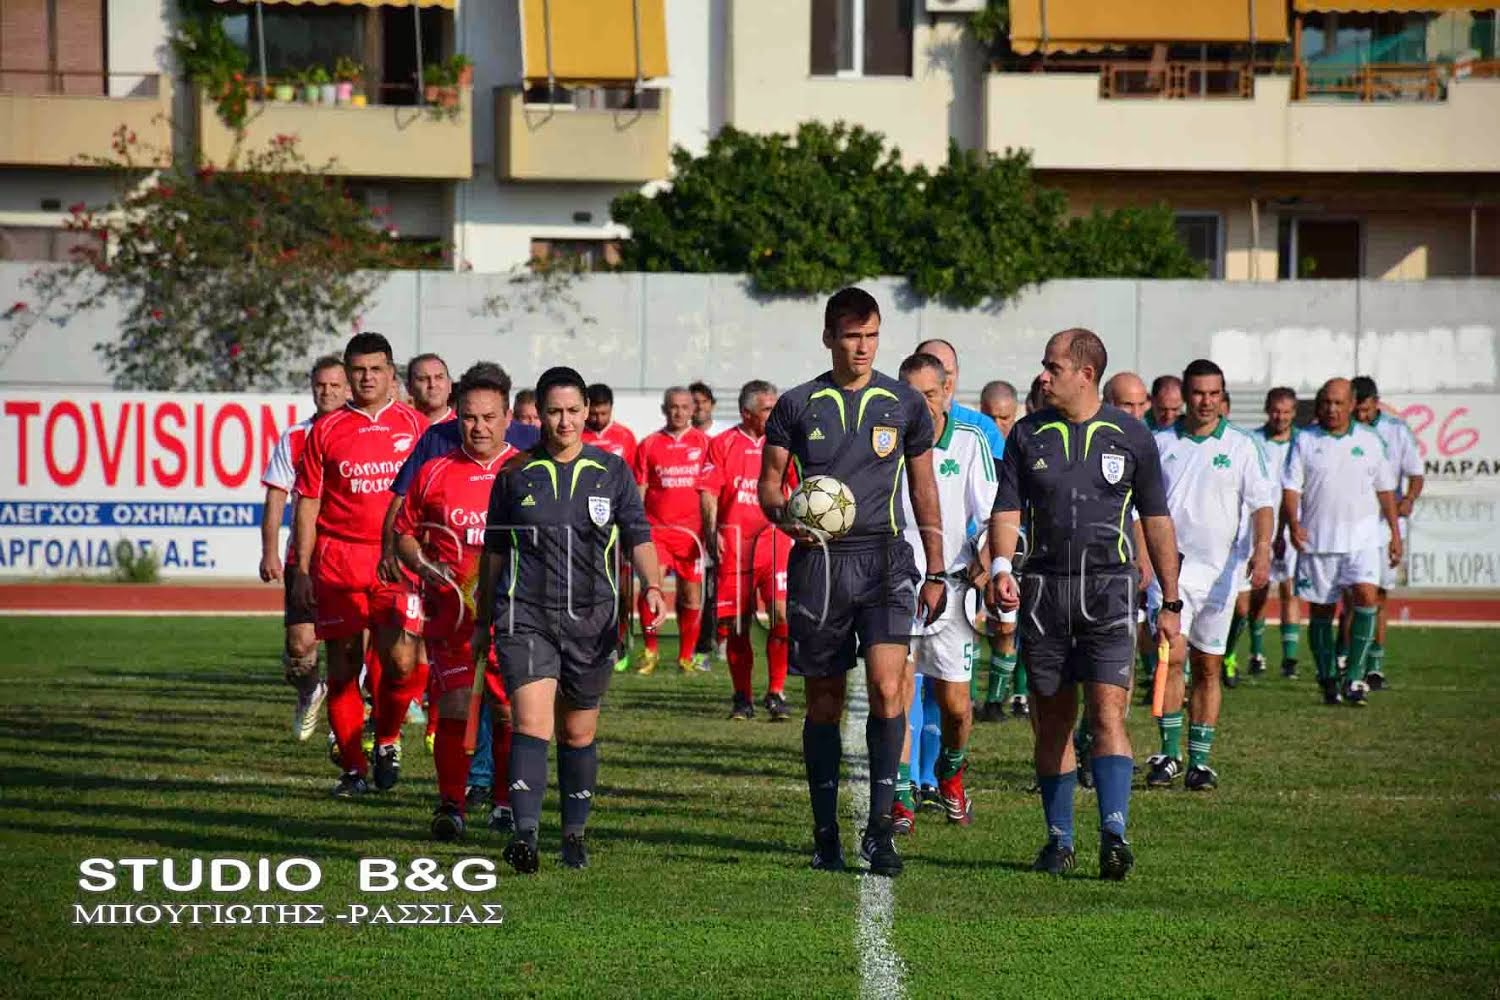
(1432, 346)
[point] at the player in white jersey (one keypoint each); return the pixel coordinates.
(299, 656)
(1336, 490)
(1211, 470)
(944, 652)
(1275, 438)
(1405, 458)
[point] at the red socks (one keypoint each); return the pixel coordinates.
(372, 671)
(346, 717)
(644, 611)
(451, 761)
(392, 699)
(776, 649)
(741, 663)
(689, 621)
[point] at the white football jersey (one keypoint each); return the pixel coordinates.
(1209, 479)
(1338, 477)
(1275, 452)
(1401, 449)
(965, 472)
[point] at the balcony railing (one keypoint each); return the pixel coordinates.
(1176, 80)
(65, 119)
(70, 83)
(1370, 82)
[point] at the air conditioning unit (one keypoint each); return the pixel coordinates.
(954, 6)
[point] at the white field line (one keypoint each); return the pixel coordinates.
(882, 973)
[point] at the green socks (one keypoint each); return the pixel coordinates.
(1321, 638)
(1020, 689)
(1375, 662)
(1002, 668)
(1290, 634)
(949, 762)
(1200, 743)
(1361, 638)
(903, 787)
(1170, 725)
(1258, 637)
(1236, 626)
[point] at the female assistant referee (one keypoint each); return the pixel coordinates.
(560, 517)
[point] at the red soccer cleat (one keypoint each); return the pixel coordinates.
(956, 801)
(902, 818)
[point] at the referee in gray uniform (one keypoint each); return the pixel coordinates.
(560, 517)
(1071, 472)
(857, 594)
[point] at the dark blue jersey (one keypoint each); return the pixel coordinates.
(439, 439)
(562, 529)
(1074, 485)
(861, 437)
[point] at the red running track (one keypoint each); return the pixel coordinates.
(229, 599)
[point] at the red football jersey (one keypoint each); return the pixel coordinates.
(446, 510)
(615, 439)
(350, 459)
(669, 469)
(732, 473)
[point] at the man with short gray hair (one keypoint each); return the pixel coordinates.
(997, 400)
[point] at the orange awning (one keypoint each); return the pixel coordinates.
(1087, 25)
(594, 42)
(1396, 6)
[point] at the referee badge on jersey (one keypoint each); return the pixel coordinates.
(883, 440)
(599, 510)
(1113, 467)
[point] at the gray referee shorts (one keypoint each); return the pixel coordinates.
(1077, 629)
(574, 647)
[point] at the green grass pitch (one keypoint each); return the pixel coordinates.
(1347, 853)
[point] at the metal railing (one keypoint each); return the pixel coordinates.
(77, 83)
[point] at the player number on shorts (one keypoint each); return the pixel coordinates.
(971, 652)
(413, 606)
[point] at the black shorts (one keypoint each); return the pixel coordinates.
(841, 601)
(1077, 629)
(575, 648)
(291, 614)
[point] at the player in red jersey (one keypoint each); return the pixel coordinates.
(440, 537)
(350, 458)
(299, 657)
(752, 554)
(601, 431)
(667, 466)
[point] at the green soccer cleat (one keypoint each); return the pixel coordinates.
(1231, 671)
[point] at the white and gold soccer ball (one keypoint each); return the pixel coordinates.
(823, 504)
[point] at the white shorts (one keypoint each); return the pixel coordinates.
(1285, 568)
(1207, 603)
(947, 654)
(1322, 576)
(1388, 573)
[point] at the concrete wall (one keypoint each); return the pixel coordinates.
(771, 89)
(645, 332)
(1267, 133)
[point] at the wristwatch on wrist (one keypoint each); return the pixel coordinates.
(935, 578)
(1173, 606)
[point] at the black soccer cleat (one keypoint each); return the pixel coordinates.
(1020, 707)
(1201, 778)
(351, 784)
(1085, 774)
(477, 796)
(1331, 691)
(776, 706)
(1164, 770)
(1054, 859)
(521, 855)
(742, 711)
(502, 820)
(1375, 679)
(387, 766)
(1115, 857)
(1356, 694)
(1289, 668)
(447, 821)
(1257, 665)
(993, 711)
(929, 799)
(877, 845)
(575, 853)
(828, 852)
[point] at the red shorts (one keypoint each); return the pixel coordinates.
(678, 550)
(755, 568)
(451, 668)
(351, 596)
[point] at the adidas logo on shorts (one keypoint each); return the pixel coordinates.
(1040, 463)
(530, 501)
(816, 435)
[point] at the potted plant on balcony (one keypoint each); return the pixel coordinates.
(348, 73)
(462, 69)
(435, 76)
(285, 90)
(327, 92)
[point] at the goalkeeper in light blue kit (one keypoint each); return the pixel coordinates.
(857, 594)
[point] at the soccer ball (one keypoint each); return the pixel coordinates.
(823, 504)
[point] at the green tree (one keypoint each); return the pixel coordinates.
(224, 279)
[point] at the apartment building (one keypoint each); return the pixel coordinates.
(1295, 139)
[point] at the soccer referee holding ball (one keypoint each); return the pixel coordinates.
(858, 593)
(559, 517)
(1071, 472)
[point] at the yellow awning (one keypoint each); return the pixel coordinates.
(1384, 6)
(1086, 25)
(444, 4)
(594, 40)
